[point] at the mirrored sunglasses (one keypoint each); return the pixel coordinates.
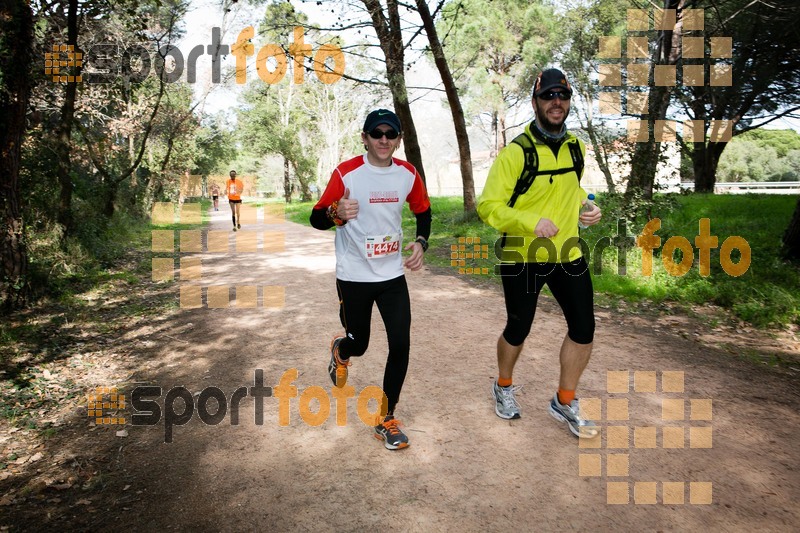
(552, 95)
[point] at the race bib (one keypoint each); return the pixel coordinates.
(382, 245)
(233, 189)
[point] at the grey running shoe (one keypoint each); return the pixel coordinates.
(505, 405)
(389, 432)
(570, 414)
(337, 369)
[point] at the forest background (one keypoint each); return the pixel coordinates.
(83, 162)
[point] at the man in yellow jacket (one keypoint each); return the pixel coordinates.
(541, 247)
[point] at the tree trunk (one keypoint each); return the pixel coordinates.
(64, 131)
(644, 162)
(287, 182)
(304, 179)
(645, 156)
(791, 237)
(705, 158)
(391, 40)
(465, 156)
(112, 182)
(600, 155)
(16, 36)
(109, 197)
(496, 142)
(502, 137)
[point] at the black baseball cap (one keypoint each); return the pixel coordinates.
(382, 116)
(551, 78)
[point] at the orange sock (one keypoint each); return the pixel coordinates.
(565, 396)
(503, 382)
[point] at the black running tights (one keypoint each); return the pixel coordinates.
(355, 310)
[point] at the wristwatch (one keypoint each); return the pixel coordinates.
(423, 243)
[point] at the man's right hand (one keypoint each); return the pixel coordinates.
(347, 209)
(545, 228)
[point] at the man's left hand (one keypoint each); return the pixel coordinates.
(591, 217)
(417, 257)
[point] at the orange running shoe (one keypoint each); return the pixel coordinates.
(389, 432)
(337, 368)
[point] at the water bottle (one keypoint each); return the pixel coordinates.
(584, 208)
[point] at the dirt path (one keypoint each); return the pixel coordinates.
(466, 469)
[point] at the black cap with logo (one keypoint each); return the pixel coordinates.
(551, 78)
(382, 116)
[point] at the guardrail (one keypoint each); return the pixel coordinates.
(756, 187)
(744, 187)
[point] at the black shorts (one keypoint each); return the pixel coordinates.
(571, 286)
(235, 201)
(215, 197)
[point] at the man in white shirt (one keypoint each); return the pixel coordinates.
(364, 200)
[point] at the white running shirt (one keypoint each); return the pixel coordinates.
(369, 247)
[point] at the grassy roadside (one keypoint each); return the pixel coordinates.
(91, 295)
(766, 295)
(83, 332)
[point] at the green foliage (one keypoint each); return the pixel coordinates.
(214, 146)
(271, 125)
(582, 27)
(768, 294)
(311, 126)
(60, 266)
(761, 155)
(765, 61)
(782, 141)
(495, 49)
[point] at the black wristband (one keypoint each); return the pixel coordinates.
(423, 242)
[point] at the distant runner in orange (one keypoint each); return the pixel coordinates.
(234, 188)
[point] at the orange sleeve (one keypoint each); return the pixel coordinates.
(418, 199)
(333, 191)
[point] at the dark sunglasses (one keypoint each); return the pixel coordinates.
(552, 95)
(377, 134)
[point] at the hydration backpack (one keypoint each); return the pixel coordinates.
(530, 168)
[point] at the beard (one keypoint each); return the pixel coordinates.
(548, 125)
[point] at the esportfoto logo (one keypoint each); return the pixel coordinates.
(180, 405)
(108, 62)
(471, 248)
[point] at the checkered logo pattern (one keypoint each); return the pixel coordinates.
(622, 74)
(103, 400)
(469, 248)
(612, 416)
(196, 245)
(63, 55)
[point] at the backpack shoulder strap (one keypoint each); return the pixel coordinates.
(577, 157)
(529, 169)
